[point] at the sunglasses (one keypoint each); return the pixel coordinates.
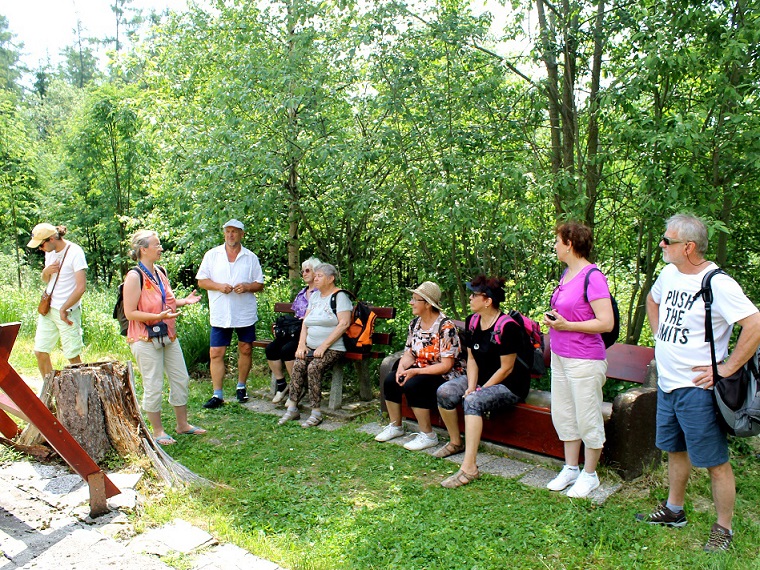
(670, 241)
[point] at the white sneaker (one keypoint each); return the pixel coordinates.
(280, 396)
(390, 432)
(586, 483)
(565, 478)
(422, 441)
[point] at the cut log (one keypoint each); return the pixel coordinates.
(98, 405)
(79, 408)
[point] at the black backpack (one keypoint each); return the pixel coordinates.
(736, 396)
(118, 308)
(609, 338)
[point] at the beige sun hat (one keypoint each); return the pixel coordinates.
(429, 291)
(40, 233)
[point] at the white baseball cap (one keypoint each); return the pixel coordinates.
(233, 223)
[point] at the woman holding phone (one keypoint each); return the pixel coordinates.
(578, 316)
(152, 310)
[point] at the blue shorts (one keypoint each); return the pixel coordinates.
(687, 420)
(223, 337)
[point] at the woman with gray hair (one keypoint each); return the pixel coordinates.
(321, 343)
(152, 311)
(283, 348)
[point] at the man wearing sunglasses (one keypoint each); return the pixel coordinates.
(65, 279)
(687, 424)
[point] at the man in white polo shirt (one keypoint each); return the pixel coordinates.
(232, 275)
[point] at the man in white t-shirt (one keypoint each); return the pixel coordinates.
(687, 422)
(65, 276)
(232, 275)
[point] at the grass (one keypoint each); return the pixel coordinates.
(336, 500)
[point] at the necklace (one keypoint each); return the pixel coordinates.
(491, 323)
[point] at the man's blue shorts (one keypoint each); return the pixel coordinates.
(223, 337)
(687, 420)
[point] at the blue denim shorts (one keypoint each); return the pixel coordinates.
(687, 420)
(223, 337)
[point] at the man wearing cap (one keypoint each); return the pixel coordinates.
(231, 274)
(64, 275)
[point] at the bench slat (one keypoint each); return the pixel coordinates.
(628, 362)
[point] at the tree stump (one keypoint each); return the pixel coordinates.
(93, 404)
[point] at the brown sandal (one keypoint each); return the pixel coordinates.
(449, 449)
(458, 479)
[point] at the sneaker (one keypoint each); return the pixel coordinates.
(288, 416)
(390, 432)
(663, 515)
(280, 396)
(213, 403)
(422, 441)
(565, 478)
(584, 484)
(720, 539)
(242, 395)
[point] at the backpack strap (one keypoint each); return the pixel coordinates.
(474, 320)
(334, 302)
(585, 282)
(498, 327)
(706, 293)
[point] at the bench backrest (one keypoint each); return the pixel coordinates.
(381, 312)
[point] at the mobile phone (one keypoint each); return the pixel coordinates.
(550, 316)
(310, 353)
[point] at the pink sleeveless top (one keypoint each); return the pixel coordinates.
(150, 302)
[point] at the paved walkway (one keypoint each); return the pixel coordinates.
(44, 524)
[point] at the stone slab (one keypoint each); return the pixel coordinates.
(231, 557)
(505, 467)
(180, 536)
(538, 477)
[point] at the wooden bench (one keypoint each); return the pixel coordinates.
(380, 342)
(629, 420)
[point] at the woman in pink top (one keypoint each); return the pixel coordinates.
(579, 366)
(152, 311)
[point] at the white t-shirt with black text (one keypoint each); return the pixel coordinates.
(680, 339)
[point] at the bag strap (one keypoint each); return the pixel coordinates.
(334, 302)
(586, 280)
(59, 271)
(707, 295)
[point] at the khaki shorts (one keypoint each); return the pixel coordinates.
(50, 328)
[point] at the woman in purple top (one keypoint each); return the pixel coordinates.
(579, 360)
(280, 350)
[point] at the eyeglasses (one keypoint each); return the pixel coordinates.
(44, 241)
(306, 270)
(413, 300)
(476, 294)
(670, 241)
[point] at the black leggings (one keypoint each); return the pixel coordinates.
(420, 390)
(282, 349)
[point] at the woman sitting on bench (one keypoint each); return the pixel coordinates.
(431, 358)
(494, 379)
(283, 350)
(321, 343)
